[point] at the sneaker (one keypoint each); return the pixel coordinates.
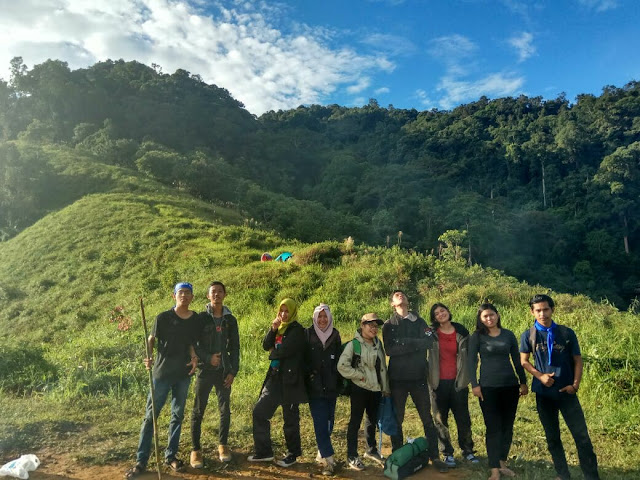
(439, 465)
(196, 459)
(329, 467)
(355, 464)
(450, 461)
(260, 458)
(472, 458)
(375, 456)
(224, 453)
(319, 458)
(288, 460)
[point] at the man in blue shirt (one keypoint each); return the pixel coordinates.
(557, 371)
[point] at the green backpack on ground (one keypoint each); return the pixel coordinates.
(407, 460)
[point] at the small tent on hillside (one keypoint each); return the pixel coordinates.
(283, 257)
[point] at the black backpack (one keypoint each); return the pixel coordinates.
(561, 337)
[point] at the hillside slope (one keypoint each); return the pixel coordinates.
(71, 338)
(532, 181)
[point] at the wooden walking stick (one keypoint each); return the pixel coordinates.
(153, 402)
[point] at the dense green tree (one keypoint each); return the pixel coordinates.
(545, 189)
(621, 172)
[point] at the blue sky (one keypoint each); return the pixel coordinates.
(274, 55)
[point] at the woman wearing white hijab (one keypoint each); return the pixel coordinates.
(322, 354)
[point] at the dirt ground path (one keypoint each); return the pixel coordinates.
(57, 466)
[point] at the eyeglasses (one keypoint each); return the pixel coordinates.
(370, 324)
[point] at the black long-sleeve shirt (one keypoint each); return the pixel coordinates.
(406, 343)
(498, 358)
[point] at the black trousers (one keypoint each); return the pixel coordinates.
(205, 382)
(362, 400)
(569, 405)
(268, 402)
(499, 411)
(446, 399)
(419, 391)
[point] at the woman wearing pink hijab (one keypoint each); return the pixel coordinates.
(321, 360)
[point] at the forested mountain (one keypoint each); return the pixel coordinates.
(547, 190)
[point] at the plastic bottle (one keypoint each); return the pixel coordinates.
(20, 467)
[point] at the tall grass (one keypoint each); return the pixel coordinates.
(70, 287)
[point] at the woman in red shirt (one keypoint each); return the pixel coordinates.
(449, 380)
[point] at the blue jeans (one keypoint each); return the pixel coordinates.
(323, 413)
(569, 406)
(179, 390)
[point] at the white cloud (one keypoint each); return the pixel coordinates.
(461, 59)
(518, 7)
(362, 84)
(599, 5)
(424, 99)
(523, 45)
(493, 85)
(391, 44)
(381, 90)
(452, 47)
(239, 48)
(455, 52)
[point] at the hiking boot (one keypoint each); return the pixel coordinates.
(450, 461)
(196, 460)
(260, 458)
(470, 457)
(224, 453)
(375, 456)
(288, 460)
(355, 464)
(439, 465)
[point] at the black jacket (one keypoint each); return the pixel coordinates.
(406, 344)
(321, 364)
(291, 356)
(230, 342)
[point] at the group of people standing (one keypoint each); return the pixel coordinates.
(433, 363)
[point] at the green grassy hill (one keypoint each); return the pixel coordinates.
(71, 374)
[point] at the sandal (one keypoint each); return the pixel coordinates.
(134, 471)
(175, 464)
(507, 472)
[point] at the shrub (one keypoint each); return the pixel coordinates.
(24, 370)
(325, 253)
